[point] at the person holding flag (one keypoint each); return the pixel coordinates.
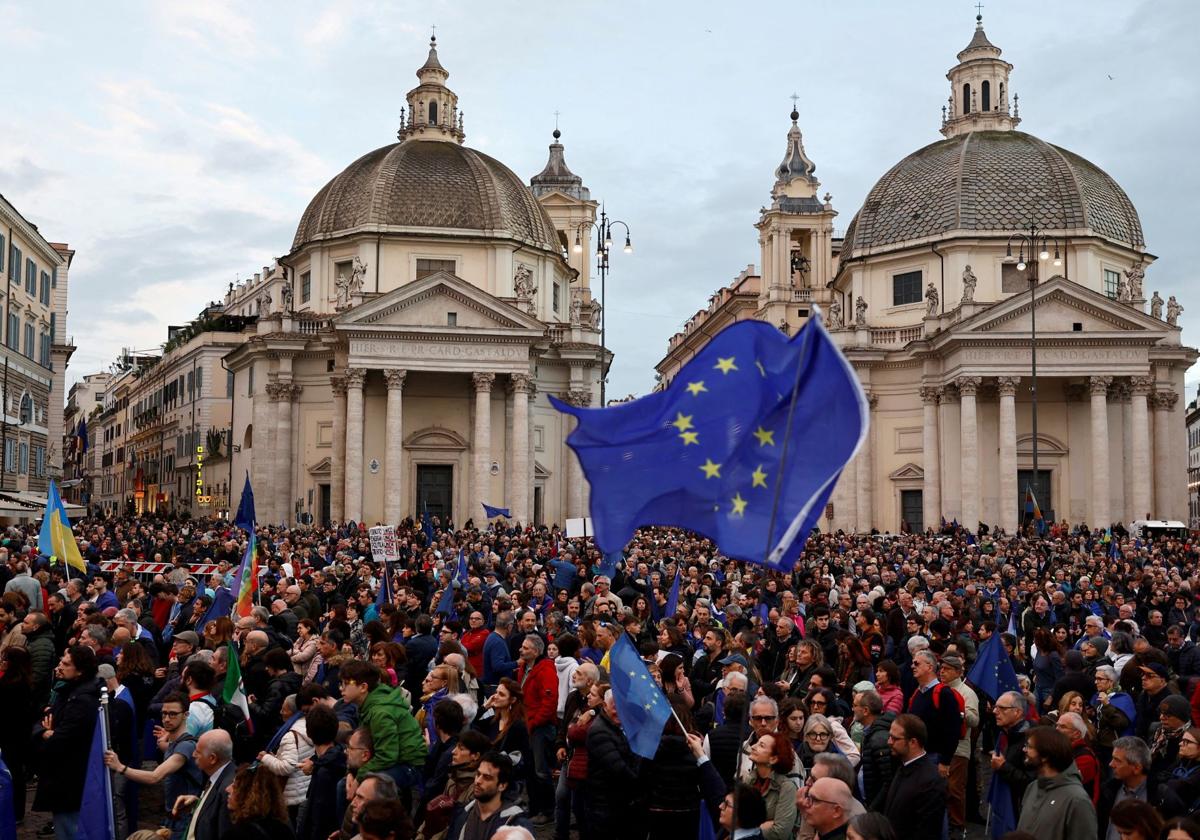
(65, 745)
(56, 540)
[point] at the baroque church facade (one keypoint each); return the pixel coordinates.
(934, 294)
(405, 346)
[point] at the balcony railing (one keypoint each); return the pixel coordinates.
(896, 335)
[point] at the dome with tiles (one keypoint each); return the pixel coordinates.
(428, 180)
(991, 181)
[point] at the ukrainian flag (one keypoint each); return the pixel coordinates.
(56, 538)
(1032, 509)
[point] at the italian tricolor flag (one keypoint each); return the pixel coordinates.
(234, 691)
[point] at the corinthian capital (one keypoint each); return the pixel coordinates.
(483, 381)
(520, 383)
(1007, 385)
(968, 385)
(930, 395)
(355, 377)
(395, 378)
(1098, 385)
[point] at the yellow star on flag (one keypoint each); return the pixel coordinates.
(689, 437)
(739, 505)
(725, 365)
(696, 387)
(758, 477)
(765, 436)
(711, 470)
(682, 421)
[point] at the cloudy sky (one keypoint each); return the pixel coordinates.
(175, 145)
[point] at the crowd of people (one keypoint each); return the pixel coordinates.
(467, 696)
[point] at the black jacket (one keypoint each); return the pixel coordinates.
(319, 819)
(938, 708)
(612, 775)
(916, 800)
(265, 710)
(1014, 771)
(672, 779)
(1185, 662)
(213, 821)
(878, 763)
(773, 658)
(723, 745)
(40, 645)
(1161, 797)
(64, 754)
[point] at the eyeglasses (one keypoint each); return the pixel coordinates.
(762, 718)
(1191, 741)
(724, 805)
(816, 800)
(818, 736)
(167, 714)
(1004, 708)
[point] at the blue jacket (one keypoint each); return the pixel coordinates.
(496, 660)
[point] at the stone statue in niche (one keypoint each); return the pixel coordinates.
(576, 306)
(285, 296)
(594, 315)
(1156, 305)
(523, 283)
(931, 299)
(1135, 275)
(860, 312)
(1122, 290)
(969, 281)
(342, 290)
(358, 273)
(1174, 310)
(835, 315)
(264, 302)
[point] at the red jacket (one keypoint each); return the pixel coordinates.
(540, 688)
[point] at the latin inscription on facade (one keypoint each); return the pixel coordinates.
(1051, 355)
(440, 351)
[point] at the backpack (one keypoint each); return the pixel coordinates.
(232, 719)
(962, 707)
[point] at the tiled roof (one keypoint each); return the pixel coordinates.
(427, 183)
(991, 181)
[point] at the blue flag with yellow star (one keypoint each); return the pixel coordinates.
(641, 705)
(705, 453)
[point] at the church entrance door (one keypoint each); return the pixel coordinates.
(1041, 492)
(435, 485)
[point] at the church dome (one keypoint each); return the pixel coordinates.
(991, 181)
(427, 184)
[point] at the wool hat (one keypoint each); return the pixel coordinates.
(1177, 706)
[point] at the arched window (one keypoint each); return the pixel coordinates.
(987, 96)
(966, 103)
(433, 113)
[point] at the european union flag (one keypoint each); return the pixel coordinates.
(493, 512)
(608, 566)
(96, 812)
(1003, 817)
(463, 575)
(706, 453)
(385, 588)
(643, 708)
(446, 603)
(245, 513)
(673, 597)
(222, 606)
(427, 527)
(764, 613)
(993, 672)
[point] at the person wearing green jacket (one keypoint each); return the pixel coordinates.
(399, 748)
(1055, 806)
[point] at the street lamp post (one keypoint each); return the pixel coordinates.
(603, 229)
(1039, 252)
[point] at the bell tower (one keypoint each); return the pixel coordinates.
(795, 235)
(979, 89)
(432, 112)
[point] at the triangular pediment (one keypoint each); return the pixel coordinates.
(427, 302)
(1061, 305)
(320, 468)
(908, 471)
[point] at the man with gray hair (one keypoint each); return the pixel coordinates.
(538, 677)
(826, 766)
(1131, 779)
(937, 705)
(1008, 756)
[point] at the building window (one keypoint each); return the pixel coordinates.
(906, 288)
(31, 276)
(305, 286)
(250, 381)
(29, 340)
(985, 91)
(1111, 280)
(24, 470)
(556, 296)
(451, 319)
(10, 454)
(2, 241)
(13, 337)
(427, 267)
(433, 113)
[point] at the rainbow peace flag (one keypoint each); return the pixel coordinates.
(245, 582)
(56, 539)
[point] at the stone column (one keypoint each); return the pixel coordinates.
(1139, 463)
(1098, 504)
(582, 398)
(354, 443)
(519, 473)
(1009, 510)
(260, 451)
(532, 451)
(969, 452)
(337, 461)
(931, 460)
(1120, 394)
(863, 474)
(482, 444)
(1164, 404)
(393, 448)
(284, 395)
